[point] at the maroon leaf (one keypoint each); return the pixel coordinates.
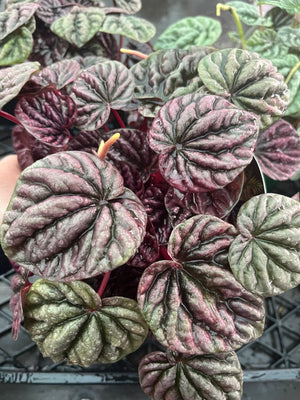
(20, 286)
(219, 203)
(71, 218)
(47, 116)
(132, 179)
(204, 142)
(176, 376)
(278, 150)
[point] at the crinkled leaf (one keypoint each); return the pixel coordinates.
(80, 25)
(278, 150)
(245, 79)
(12, 80)
(71, 218)
(219, 203)
(70, 321)
(47, 116)
(280, 18)
(129, 26)
(265, 256)
(15, 17)
(16, 47)
(60, 73)
(290, 6)
(198, 31)
(132, 6)
(198, 308)
(289, 36)
(204, 142)
(164, 72)
(183, 377)
(249, 14)
(20, 286)
(98, 89)
(266, 44)
(132, 178)
(51, 10)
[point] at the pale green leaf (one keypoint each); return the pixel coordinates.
(249, 14)
(15, 17)
(289, 37)
(290, 6)
(16, 47)
(266, 44)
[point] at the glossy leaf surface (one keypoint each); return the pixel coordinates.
(278, 150)
(132, 6)
(80, 25)
(16, 47)
(175, 376)
(291, 6)
(246, 80)
(204, 142)
(70, 321)
(265, 256)
(71, 218)
(266, 44)
(249, 13)
(198, 31)
(12, 80)
(14, 18)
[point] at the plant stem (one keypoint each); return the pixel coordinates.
(118, 118)
(105, 128)
(236, 18)
(104, 283)
(293, 70)
(9, 117)
(105, 146)
(133, 52)
(296, 21)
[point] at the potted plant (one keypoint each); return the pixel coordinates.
(137, 206)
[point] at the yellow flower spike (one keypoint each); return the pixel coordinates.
(105, 146)
(133, 52)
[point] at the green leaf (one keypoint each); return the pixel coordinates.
(15, 17)
(80, 25)
(289, 37)
(265, 256)
(249, 14)
(266, 44)
(129, 26)
(246, 80)
(70, 321)
(290, 6)
(12, 80)
(198, 31)
(16, 47)
(132, 6)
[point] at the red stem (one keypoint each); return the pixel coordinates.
(118, 118)
(105, 128)
(104, 283)
(9, 117)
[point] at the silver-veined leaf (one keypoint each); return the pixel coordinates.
(16, 47)
(249, 14)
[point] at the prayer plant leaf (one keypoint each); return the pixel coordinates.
(183, 377)
(98, 89)
(246, 80)
(16, 47)
(70, 321)
(249, 14)
(266, 44)
(265, 256)
(198, 31)
(132, 6)
(278, 150)
(12, 79)
(15, 17)
(70, 218)
(47, 116)
(80, 25)
(166, 74)
(129, 26)
(204, 142)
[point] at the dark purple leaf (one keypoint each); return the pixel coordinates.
(219, 203)
(278, 150)
(183, 377)
(47, 116)
(132, 179)
(204, 142)
(87, 141)
(98, 89)
(28, 148)
(70, 217)
(20, 286)
(123, 282)
(109, 45)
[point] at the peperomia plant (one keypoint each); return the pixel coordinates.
(141, 205)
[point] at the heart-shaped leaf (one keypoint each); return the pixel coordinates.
(266, 44)
(290, 6)
(132, 6)
(265, 256)
(72, 209)
(12, 80)
(16, 47)
(164, 74)
(80, 25)
(70, 321)
(98, 89)
(249, 14)
(15, 17)
(278, 150)
(131, 27)
(171, 375)
(289, 36)
(198, 31)
(47, 116)
(245, 79)
(219, 202)
(51, 10)
(204, 142)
